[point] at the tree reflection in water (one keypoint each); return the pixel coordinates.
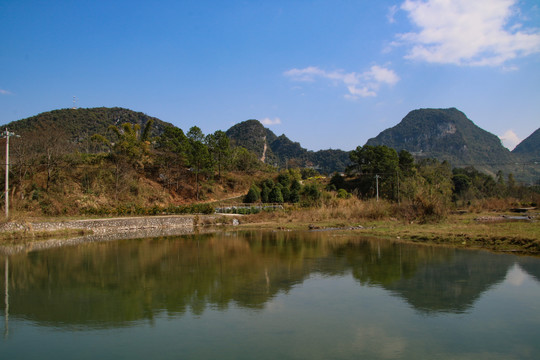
(117, 284)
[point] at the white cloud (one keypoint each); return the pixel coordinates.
(4, 92)
(510, 139)
(392, 10)
(268, 121)
(306, 74)
(358, 84)
(466, 32)
(382, 75)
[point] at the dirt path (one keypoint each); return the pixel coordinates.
(263, 157)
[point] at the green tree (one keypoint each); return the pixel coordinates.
(434, 193)
(244, 160)
(336, 182)
(407, 166)
(173, 139)
(131, 143)
(219, 148)
(295, 185)
(253, 195)
(265, 193)
(286, 192)
(275, 195)
(294, 196)
(284, 179)
(462, 184)
(198, 155)
(311, 195)
(172, 147)
(371, 161)
(128, 149)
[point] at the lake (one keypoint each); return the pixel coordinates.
(268, 295)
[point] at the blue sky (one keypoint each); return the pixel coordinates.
(328, 74)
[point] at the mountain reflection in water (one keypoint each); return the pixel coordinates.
(116, 284)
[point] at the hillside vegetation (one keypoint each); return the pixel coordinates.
(530, 147)
(282, 152)
(447, 134)
(136, 164)
(76, 126)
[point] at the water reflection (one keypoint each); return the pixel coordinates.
(121, 283)
(531, 266)
(6, 298)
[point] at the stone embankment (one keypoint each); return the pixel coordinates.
(102, 230)
(113, 236)
(103, 226)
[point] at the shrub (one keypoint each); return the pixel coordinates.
(343, 194)
(311, 195)
(275, 195)
(252, 196)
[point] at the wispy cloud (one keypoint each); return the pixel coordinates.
(510, 139)
(467, 32)
(358, 84)
(268, 121)
(5, 92)
(392, 10)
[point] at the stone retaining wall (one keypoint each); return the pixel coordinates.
(102, 226)
(112, 236)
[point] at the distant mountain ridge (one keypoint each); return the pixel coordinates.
(283, 152)
(78, 125)
(447, 134)
(252, 135)
(530, 147)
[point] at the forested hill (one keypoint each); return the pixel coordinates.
(447, 134)
(283, 152)
(530, 147)
(252, 135)
(75, 127)
(78, 125)
(444, 134)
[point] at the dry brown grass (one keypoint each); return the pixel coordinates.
(493, 204)
(403, 221)
(333, 212)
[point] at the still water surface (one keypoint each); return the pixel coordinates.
(268, 295)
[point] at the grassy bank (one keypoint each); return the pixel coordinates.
(456, 231)
(474, 227)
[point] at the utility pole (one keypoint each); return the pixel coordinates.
(377, 184)
(6, 134)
